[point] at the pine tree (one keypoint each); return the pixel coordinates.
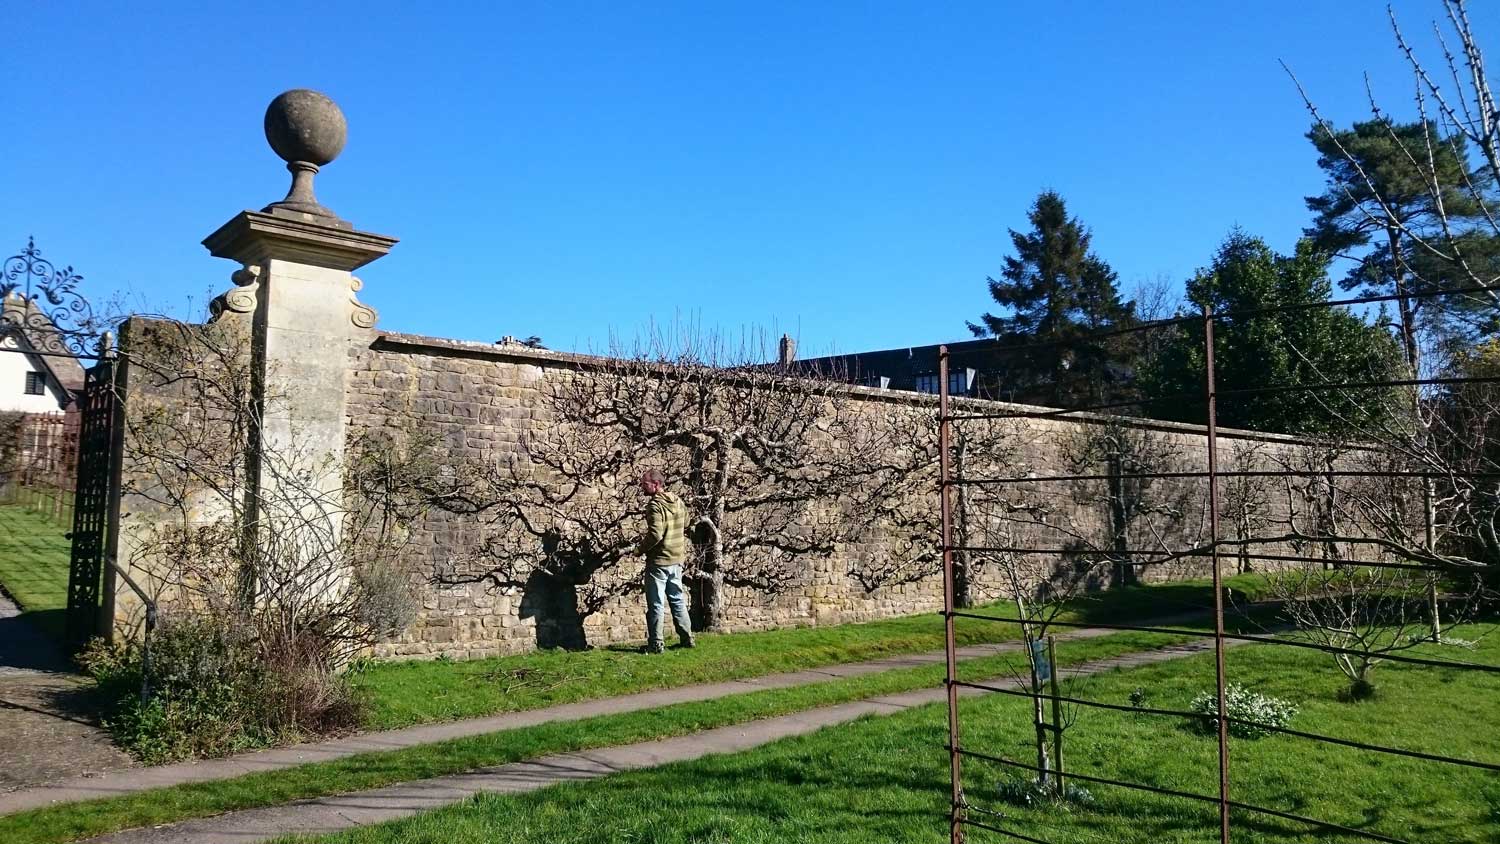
(1390, 189)
(1057, 293)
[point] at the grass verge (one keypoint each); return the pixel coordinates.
(73, 821)
(886, 780)
(34, 558)
(405, 693)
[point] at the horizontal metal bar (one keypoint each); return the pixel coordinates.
(1241, 392)
(1178, 713)
(1189, 795)
(1143, 710)
(1230, 551)
(1264, 640)
(1143, 476)
(1358, 300)
(1137, 328)
(1358, 385)
(1155, 789)
(42, 354)
(1395, 751)
(969, 806)
(1170, 322)
(1016, 835)
(1047, 414)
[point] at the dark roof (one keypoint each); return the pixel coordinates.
(21, 317)
(903, 365)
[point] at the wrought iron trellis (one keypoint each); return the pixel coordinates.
(964, 813)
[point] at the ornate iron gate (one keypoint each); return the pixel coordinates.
(50, 319)
(94, 501)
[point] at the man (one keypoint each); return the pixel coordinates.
(665, 549)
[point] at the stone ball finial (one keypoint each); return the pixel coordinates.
(305, 125)
(307, 130)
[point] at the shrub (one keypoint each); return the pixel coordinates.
(1036, 792)
(383, 600)
(1246, 705)
(215, 688)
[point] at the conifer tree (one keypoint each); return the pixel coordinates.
(1056, 293)
(1270, 334)
(1400, 202)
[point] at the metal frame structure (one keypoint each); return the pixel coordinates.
(966, 814)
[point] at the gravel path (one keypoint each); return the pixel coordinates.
(47, 730)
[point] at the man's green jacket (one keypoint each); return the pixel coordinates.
(665, 542)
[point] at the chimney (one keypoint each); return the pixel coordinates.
(788, 350)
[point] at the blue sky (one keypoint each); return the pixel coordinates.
(845, 172)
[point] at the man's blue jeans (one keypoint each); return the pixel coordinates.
(665, 583)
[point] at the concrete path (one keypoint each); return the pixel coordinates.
(116, 783)
(47, 726)
(331, 814)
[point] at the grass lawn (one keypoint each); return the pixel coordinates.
(73, 821)
(405, 693)
(34, 559)
(885, 779)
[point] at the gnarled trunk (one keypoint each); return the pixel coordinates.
(709, 593)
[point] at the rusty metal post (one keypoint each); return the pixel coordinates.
(955, 809)
(1213, 537)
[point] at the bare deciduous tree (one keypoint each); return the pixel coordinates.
(1246, 501)
(772, 462)
(1366, 613)
(1449, 167)
(1137, 510)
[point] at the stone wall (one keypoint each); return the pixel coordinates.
(483, 401)
(480, 405)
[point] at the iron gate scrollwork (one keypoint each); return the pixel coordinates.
(46, 305)
(93, 503)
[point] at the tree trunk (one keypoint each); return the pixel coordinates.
(713, 569)
(1119, 523)
(1058, 786)
(711, 584)
(1413, 350)
(708, 592)
(1242, 531)
(1038, 717)
(1429, 519)
(1407, 311)
(1038, 713)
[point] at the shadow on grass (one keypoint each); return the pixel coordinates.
(1134, 603)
